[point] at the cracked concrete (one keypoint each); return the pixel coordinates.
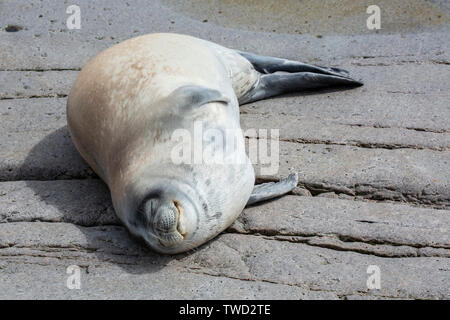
(373, 162)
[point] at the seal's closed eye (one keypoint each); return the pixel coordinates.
(194, 96)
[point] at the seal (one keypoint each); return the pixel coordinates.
(128, 101)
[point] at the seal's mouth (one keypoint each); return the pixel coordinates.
(170, 239)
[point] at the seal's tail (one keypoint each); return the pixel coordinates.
(280, 76)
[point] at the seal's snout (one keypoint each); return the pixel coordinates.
(168, 225)
(166, 219)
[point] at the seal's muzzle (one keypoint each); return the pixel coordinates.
(165, 218)
(167, 225)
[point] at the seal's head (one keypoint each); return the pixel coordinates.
(166, 220)
(169, 216)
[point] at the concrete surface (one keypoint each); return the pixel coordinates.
(373, 162)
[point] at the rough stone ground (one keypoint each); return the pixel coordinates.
(373, 162)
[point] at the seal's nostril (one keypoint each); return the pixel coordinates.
(166, 219)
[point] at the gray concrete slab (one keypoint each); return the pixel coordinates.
(45, 43)
(250, 258)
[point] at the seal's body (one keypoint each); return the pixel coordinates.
(122, 112)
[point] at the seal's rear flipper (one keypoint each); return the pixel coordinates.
(283, 82)
(272, 190)
(268, 65)
(282, 76)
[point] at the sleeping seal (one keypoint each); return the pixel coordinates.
(127, 102)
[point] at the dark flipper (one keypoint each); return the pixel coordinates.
(272, 190)
(267, 65)
(282, 76)
(284, 82)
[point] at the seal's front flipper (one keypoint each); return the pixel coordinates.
(278, 83)
(272, 190)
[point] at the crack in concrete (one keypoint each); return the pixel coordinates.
(253, 279)
(338, 293)
(376, 126)
(355, 143)
(441, 62)
(367, 145)
(362, 62)
(56, 95)
(308, 239)
(375, 193)
(50, 248)
(45, 252)
(96, 223)
(39, 69)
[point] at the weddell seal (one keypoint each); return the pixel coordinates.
(128, 100)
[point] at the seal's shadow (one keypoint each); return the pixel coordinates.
(84, 200)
